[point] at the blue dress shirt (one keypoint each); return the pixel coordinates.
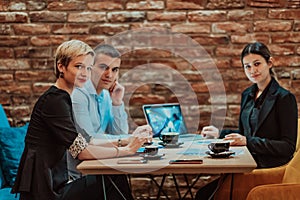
(96, 114)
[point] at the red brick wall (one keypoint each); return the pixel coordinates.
(30, 31)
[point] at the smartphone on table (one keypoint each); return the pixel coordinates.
(186, 161)
(132, 161)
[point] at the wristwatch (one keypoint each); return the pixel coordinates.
(119, 142)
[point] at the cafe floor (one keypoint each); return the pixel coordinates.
(143, 188)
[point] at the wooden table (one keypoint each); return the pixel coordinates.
(241, 162)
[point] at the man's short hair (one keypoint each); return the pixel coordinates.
(108, 50)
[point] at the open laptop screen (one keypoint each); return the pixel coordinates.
(165, 118)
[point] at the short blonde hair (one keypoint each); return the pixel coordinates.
(69, 50)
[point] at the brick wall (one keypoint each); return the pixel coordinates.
(165, 32)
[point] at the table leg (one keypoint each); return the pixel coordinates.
(103, 185)
(160, 186)
(176, 185)
(129, 182)
(231, 186)
(190, 186)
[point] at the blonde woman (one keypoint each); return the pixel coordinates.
(43, 173)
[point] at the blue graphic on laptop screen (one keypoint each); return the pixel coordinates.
(165, 119)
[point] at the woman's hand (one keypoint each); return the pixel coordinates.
(237, 139)
(131, 148)
(140, 135)
(210, 132)
(144, 131)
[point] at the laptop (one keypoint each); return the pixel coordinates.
(166, 118)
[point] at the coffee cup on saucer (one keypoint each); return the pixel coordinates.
(218, 147)
(151, 150)
(169, 137)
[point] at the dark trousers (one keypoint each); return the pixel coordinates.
(106, 187)
(207, 191)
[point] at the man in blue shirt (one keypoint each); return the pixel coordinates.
(98, 106)
(99, 109)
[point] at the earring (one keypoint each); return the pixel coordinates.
(61, 75)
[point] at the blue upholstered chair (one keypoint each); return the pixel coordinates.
(4, 189)
(3, 118)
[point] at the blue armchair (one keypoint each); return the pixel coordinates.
(3, 118)
(6, 172)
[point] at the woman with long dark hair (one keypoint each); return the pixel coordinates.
(268, 115)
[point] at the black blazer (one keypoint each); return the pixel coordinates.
(43, 167)
(273, 141)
